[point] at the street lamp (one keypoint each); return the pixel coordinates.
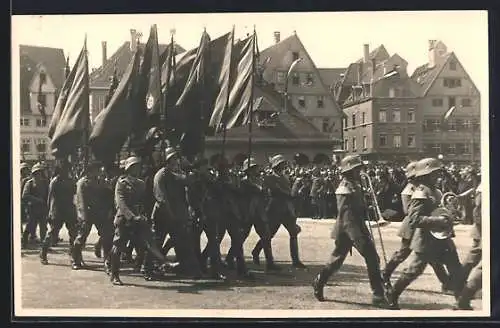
(290, 70)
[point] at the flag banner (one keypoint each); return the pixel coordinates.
(116, 122)
(241, 93)
(450, 111)
(67, 70)
(150, 74)
(71, 120)
(112, 87)
(42, 79)
(225, 80)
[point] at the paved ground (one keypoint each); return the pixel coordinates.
(57, 286)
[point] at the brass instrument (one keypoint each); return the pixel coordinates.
(449, 208)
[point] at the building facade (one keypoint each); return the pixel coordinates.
(305, 87)
(445, 85)
(42, 76)
(383, 120)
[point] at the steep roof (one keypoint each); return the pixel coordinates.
(290, 125)
(378, 53)
(30, 57)
(425, 75)
(99, 78)
(277, 52)
(331, 75)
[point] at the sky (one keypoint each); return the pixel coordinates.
(333, 39)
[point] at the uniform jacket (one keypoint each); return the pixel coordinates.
(423, 202)
(129, 198)
(36, 196)
(280, 193)
(352, 211)
(476, 230)
(253, 200)
(60, 199)
(405, 231)
(87, 199)
(317, 188)
(170, 194)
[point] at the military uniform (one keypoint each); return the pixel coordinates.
(317, 197)
(472, 266)
(91, 211)
(61, 211)
(35, 197)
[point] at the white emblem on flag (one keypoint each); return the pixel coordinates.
(151, 101)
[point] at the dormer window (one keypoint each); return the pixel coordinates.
(453, 65)
(43, 77)
(295, 56)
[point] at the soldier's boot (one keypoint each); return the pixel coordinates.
(107, 266)
(318, 284)
(463, 301)
(98, 248)
(43, 254)
(76, 257)
(25, 239)
(256, 252)
(399, 287)
(115, 266)
(230, 263)
(294, 252)
(268, 253)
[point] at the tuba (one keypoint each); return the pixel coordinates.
(449, 208)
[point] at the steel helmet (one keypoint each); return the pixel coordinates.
(249, 164)
(427, 166)
(350, 162)
(129, 162)
(277, 160)
(410, 169)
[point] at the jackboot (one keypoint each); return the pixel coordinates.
(77, 257)
(463, 301)
(294, 252)
(43, 255)
(268, 253)
(318, 285)
(115, 267)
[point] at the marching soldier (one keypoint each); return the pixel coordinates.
(350, 230)
(316, 194)
(427, 249)
(280, 210)
(472, 265)
(25, 176)
(406, 234)
(130, 222)
(35, 197)
(61, 209)
(90, 211)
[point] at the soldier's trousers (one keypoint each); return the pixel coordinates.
(473, 285)
(365, 246)
(34, 219)
(210, 226)
(104, 229)
(55, 226)
(402, 254)
(445, 254)
(471, 260)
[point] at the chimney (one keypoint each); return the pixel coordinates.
(277, 37)
(432, 54)
(133, 39)
(366, 53)
(104, 52)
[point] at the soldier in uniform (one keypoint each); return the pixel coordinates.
(317, 193)
(406, 234)
(35, 197)
(351, 230)
(25, 176)
(61, 209)
(91, 211)
(426, 248)
(280, 210)
(472, 265)
(130, 221)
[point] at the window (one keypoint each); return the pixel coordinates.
(452, 83)
(25, 145)
(451, 149)
(309, 79)
(460, 124)
(434, 125)
(325, 127)
(436, 148)
(396, 115)
(41, 145)
(354, 146)
(382, 140)
(280, 77)
(354, 119)
(295, 79)
(367, 90)
(392, 92)
(411, 141)
(345, 122)
(467, 124)
(320, 102)
(411, 116)
(475, 125)
(467, 148)
(453, 65)
(41, 122)
(25, 122)
(346, 144)
(451, 102)
(365, 142)
(42, 99)
(437, 102)
(382, 117)
(396, 142)
(452, 125)
(302, 101)
(363, 118)
(466, 102)
(295, 55)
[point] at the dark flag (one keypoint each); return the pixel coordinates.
(67, 69)
(42, 79)
(151, 74)
(240, 98)
(112, 87)
(225, 80)
(115, 123)
(71, 120)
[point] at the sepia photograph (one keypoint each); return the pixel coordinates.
(261, 165)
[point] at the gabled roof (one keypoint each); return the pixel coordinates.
(278, 51)
(425, 75)
(290, 125)
(379, 53)
(331, 75)
(99, 78)
(30, 58)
